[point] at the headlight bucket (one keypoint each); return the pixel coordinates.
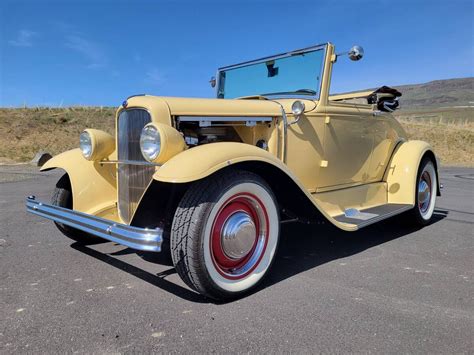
(96, 144)
(298, 108)
(150, 142)
(160, 142)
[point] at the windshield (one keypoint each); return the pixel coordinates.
(297, 73)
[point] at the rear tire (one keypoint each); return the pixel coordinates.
(425, 195)
(225, 234)
(62, 197)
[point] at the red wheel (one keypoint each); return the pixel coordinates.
(225, 234)
(239, 236)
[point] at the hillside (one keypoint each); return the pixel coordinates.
(438, 93)
(425, 116)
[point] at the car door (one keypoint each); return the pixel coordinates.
(305, 148)
(348, 144)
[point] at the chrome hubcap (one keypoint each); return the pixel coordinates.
(424, 192)
(238, 235)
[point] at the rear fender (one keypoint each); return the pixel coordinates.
(94, 187)
(403, 170)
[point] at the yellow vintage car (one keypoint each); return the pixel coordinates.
(211, 180)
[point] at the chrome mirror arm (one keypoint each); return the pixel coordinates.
(295, 121)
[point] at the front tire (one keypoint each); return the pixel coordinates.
(62, 197)
(225, 234)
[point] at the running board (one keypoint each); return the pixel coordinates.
(364, 217)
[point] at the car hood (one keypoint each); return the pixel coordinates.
(182, 106)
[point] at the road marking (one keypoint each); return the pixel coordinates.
(158, 334)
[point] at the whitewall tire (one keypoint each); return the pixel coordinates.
(225, 234)
(426, 191)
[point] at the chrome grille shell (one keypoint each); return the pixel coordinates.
(132, 179)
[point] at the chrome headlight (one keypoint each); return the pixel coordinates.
(150, 143)
(297, 108)
(85, 143)
(160, 142)
(95, 144)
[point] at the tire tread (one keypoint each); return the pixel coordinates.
(188, 222)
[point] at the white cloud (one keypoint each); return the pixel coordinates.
(23, 39)
(91, 51)
(154, 76)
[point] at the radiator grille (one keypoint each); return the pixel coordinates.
(132, 179)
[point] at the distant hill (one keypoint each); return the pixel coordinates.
(438, 93)
(435, 112)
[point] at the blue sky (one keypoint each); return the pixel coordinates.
(62, 53)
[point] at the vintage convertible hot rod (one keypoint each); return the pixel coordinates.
(211, 180)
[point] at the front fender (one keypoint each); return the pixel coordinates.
(403, 170)
(204, 160)
(93, 185)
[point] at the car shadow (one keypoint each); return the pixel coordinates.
(158, 280)
(302, 247)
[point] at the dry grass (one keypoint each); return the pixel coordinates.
(449, 130)
(453, 144)
(25, 131)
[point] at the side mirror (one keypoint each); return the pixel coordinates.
(213, 81)
(356, 53)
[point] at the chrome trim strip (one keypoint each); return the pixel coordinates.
(285, 131)
(130, 162)
(276, 56)
(132, 237)
(207, 121)
(380, 217)
(385, 216)
(224, 118)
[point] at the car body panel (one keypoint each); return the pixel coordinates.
(189, 166)
(401, 175)
(340, 154)
(94, 186)
(335, 202)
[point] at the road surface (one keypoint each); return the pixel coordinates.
(389, 288)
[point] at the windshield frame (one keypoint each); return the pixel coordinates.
(323, 47)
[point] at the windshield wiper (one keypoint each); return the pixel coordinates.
(296, 92)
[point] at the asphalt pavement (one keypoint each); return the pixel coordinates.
(389, 288)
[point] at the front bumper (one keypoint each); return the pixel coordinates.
(133, 237)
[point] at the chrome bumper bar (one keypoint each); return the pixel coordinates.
(133, 237)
